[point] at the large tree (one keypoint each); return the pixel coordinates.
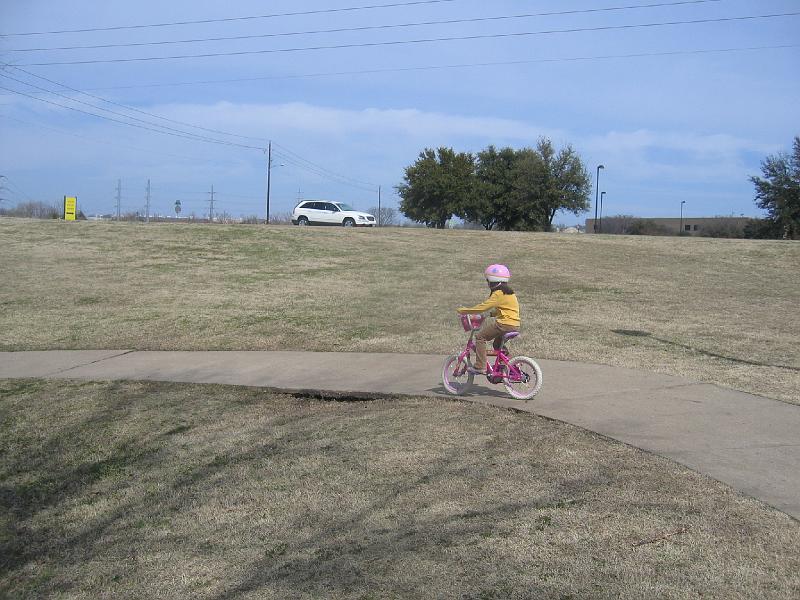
(779, 192)
(500, 188)
(436, 186)
(564, 184)
(530, 176)
(491, 201)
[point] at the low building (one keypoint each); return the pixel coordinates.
(672, 226)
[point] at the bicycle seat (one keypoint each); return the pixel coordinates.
(510, 336)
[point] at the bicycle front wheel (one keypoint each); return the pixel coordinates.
(524, 379)
(455, 376)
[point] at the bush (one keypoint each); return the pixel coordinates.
(762, 229)
(724, 229)
(36, 210)
(618, 224)
(646, 227)
(281, 218)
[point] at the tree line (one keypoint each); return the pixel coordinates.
(778, 193)
(504, 188)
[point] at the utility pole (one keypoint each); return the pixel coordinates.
(119, 196)
(147, 204)
(379, 206)
(211, 206)
(269, 174)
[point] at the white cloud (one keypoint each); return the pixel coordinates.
(684, 156)
(297, 117)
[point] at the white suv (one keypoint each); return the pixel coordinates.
(318, 212)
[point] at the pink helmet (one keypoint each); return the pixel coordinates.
(497, 273)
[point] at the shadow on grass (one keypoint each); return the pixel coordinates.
(335, 557)
(648, 335)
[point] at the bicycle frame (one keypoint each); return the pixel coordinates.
(494, 373)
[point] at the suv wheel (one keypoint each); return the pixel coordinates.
(348, 222)
(302, 221)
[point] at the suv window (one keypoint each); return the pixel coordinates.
(329, 206)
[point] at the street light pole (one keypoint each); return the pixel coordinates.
(680, 230)
(601, 211)
(597, 191)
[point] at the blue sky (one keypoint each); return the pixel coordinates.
(683, 122)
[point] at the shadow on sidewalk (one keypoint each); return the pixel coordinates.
(477, 390)
(647, 334)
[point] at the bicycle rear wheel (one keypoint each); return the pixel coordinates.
(455, 376)
(524, 379)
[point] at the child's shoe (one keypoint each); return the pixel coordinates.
(475, 371)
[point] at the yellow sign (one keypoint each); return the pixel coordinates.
(70, 206)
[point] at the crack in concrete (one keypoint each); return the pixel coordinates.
(641, 389)
(754, 447)
(88, 363)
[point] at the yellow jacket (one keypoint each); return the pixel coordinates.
(505, 306)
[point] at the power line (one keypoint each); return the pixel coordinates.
(188, 136)
(15, 188)
(96, 141)
(230, 19)
(322, 171)
(296, 159)
(131, 108)
(451, 66)
(167, 129)
(417, 41)
(284, 151)
(371, 27)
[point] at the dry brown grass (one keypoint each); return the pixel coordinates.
(147, 490)
(720, 311)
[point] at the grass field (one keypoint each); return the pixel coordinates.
(719, 311)
(148, 490)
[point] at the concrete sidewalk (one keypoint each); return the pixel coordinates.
(749, 442)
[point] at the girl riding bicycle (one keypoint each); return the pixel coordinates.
(503, 304)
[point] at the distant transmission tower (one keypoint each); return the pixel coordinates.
(211, 206)
(147, 204)
(119, 197)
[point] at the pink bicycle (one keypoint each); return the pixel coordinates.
(521, 376)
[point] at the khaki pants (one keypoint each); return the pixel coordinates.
(491, 330)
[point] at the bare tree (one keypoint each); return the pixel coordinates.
(281, 218)
(36, 210)
(387, 216)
